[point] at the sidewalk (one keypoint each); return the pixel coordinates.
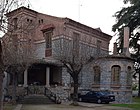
(102, 106)
(82, 106)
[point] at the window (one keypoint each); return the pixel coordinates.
(28, 20)
(31, 20)
(48, 33)
(115, 74)
(98, 47)
(129, 75)
(41, 20)
(76, 38)
(15, 22)
(97, 74)
(48, 38)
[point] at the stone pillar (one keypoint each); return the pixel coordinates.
(47, 76)
(126, 41)
(25, 78)
(126, 37)
(115, 49)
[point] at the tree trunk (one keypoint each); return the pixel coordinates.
(75, 91)
(1, 91)
(14, 89)
(1, 78)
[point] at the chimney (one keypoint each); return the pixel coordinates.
(126, 41)
(115, 49)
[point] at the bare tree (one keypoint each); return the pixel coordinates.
(5, 6)
(17, 43)
(74, 55)
(1, 77)
(18, 55)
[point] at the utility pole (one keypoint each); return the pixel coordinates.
(79, 10)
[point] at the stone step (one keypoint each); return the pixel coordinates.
(36, 99)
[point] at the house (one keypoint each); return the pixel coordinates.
(47, 38)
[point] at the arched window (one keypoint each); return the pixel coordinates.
(97, 74)
(129, 75)
(115, 74)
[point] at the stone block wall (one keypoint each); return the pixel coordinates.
(122, 91)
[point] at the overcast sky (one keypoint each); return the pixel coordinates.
(94, 13)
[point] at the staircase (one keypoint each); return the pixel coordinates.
(39, 95)
(36, 99)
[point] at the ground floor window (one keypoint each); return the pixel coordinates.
(115, 74)
(97, 74)
(129, 76)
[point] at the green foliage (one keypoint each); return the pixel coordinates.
(135, 105)
(134, 87)
(136, 100)
(128, 16)
(130, 1)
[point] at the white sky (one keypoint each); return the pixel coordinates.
(94, 13)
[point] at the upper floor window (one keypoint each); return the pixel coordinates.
(115, 74)
(40, 21)
(48, 38)
(28, 20)
(97, 74)
(76, 38)
(15, 23)
(48, 33)
(99, 47)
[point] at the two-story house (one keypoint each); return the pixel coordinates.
(50, 38)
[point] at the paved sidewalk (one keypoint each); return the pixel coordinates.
(102, 106)
(83, 106)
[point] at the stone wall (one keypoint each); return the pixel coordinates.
(122, 91)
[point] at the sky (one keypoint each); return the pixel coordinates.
(94, 13)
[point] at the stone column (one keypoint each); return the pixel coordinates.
(25, 78)
(126, 41)
(47, 76)
(115, 49)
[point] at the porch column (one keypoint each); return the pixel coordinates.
(47, 76)
(25, 78)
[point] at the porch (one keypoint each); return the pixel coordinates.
(43, 75)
